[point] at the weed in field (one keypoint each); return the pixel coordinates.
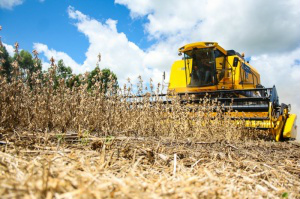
(84, 140)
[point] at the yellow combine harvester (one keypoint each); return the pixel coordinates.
(224, 75)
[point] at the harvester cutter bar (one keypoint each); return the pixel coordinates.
(246, 100)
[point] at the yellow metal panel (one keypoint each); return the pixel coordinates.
(178, 75)
(197, 45)
(248, 114)
(202, 45)
(290, 128)
(221, 49)
(266, 124)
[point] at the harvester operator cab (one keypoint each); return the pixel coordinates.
(200, 67)
(206, 66)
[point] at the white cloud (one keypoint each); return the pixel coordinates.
(253, 26)
(119, 54)
(283, 71)
(42, 48)
(9, 48)
(9, 4)
(138, 8)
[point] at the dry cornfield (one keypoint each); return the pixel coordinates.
(61, 142)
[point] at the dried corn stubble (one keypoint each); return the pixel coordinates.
(143, 167)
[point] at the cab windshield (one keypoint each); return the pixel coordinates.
(200, 67)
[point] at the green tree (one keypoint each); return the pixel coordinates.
(74, 81)
(27, 64)
(105, 76)
(25, 61)
(63, 71)
(5, 63)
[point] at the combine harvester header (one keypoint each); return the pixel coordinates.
(224, 75)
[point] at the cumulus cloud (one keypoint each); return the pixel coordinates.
(42, 48)
(252, 26)
(281, 70)
(9, 4)
(138, 8)
(9, 48)
(119, 54)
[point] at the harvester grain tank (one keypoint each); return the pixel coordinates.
(224, 75)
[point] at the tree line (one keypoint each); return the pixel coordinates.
(30, 65)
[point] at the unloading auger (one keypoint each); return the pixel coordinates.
(206, 69)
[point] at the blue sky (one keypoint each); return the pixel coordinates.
(48, 22)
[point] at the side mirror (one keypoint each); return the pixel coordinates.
(180, 53)
(235, 62)
(164, 75)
